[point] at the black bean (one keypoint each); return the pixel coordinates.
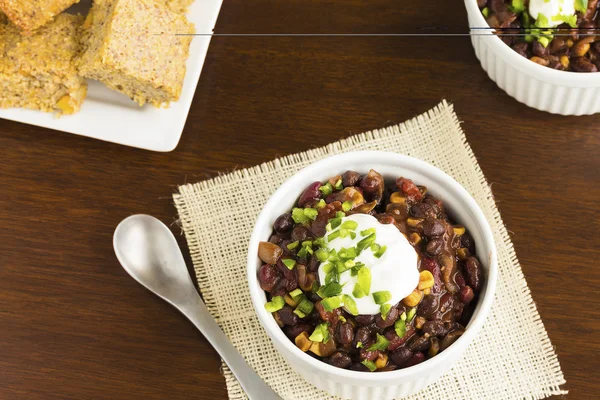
(418, 343)
(363, 335)
(268, 277)
(538, 49)
(481, 3)
(401, 355)
(345, 333)
(283, 223)
(293, 331)
(359, 367)
(466, 241)
(433, 227)
(582, 64)
(428, 306)
(339, 359)
(521, 48)
(434, 328)
(434, 247)
(350, 178)
(451, 338)
(287, 316)
(364, 320)
(423, 210)
(301, 233)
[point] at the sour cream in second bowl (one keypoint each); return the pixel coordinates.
(359, 242)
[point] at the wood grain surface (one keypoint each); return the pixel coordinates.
(73, 325)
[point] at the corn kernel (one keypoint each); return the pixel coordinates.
(381, 361)
(425, 280)
(580, 49)
(414, 238)
(419, 322)
(303, 342)
(64, 104)
(413, 222)
(570, 43)
(413, 299)
(427, 291)
(564, 60)
(459, 230)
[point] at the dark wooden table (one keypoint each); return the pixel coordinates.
(73, 325)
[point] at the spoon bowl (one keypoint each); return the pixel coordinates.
(148, 251)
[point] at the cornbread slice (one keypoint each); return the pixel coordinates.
(178, 6)
(131, 46)
(31, 14)
(39, 71)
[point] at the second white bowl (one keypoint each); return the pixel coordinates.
(543, 88)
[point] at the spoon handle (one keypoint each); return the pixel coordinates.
(256, 389)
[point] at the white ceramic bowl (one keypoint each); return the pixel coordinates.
(381, 385)
(557, 92)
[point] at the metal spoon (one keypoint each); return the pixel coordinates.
(148, 251)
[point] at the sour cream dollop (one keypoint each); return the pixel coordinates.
(553, 10)
(395, 271)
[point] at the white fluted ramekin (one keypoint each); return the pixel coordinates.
(379, 385)
(543, 88)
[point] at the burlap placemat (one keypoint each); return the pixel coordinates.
(512, 358)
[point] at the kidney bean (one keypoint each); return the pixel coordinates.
(350, 178)
(310, 194)
(287, 316)
(582, 64)
(345, 333)
(329, 316)
(370, 355)
(269, 277)
(295, 330)
(434, 247)
(474, 273)
(432, 265)
(401, 355)
(283, 223)
(459, 278)
(466, 295)
(276, 239)
(417, 358)
(435, 328)
(391, 317)
(301, 233)
(433, 227)
(364, 320)
(418, 343)
(446, 302)
(397, 341)
(339, 359)
(521, 48)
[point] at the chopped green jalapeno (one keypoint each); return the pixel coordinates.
(333, 235)
(350, 304)
(322, 255)
(340, 214)
(359, 345)
(369, 364)
(400, 328)
(352, 225)
(338, 185)
(486, 12)
(327, 268)
(311, 213)
(275, 304)
(326, 189)
(335, 222)
(347, 206)
(411, 314)
(381, 344)
(365, 242)
(299, 313)
(364, 280)
(331, 303)
(306, 306)
(329, 290)
(358, 292)
(382, 297)
(581, 5)
(289, 263)
(403, 316)
(385, 309)
(295, 293)
(321, 204)
(320, 334)
(380, 251)
(367, 232)
(293, 245)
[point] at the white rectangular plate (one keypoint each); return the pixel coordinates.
(113, 117)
